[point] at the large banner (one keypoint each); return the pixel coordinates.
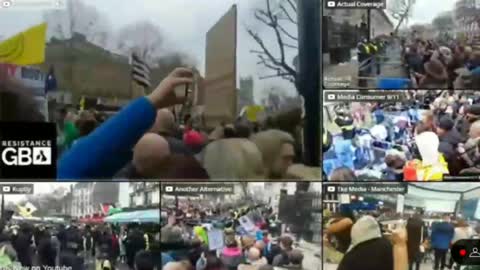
(220, 96)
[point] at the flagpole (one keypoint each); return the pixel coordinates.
(131, 77)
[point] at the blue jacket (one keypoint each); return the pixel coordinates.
(442, 235)
(109, 147)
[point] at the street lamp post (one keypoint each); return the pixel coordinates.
(308, 81)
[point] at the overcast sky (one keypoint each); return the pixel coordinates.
(424, 11)
(184, 24)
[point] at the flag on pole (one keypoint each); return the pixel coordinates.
(25, 48)
(51, 81)
(140, 71)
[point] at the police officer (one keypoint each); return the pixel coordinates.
(380, 54)
(373, 57)
(345, 121)
(363, 51)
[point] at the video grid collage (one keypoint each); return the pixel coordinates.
(143, 139)
(399, 140)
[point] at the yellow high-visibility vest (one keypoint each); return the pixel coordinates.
(367, 48)
(82, 104)
(350, 127)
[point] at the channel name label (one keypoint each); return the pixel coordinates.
(358, 4)
(16, 188)
(189, 189)
(354, 96)
(399, 188)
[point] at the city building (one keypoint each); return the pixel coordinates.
(467, 20)
(143, 194)
(344, 28)
(87, 198)
(245, 93)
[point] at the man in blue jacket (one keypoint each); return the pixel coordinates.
(442, 235)
(109, 147)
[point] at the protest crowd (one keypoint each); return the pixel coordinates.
(418, 239)
(78, 246)
(431, 135)
(448, 64)
(218, 238)
(144, 140)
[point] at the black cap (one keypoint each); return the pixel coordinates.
(474, 109)
(446, 123)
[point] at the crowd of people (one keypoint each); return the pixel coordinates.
(447, 65)
(186, 244)
(434, 135)
(145, 140)
(78, 246)
(351, 235)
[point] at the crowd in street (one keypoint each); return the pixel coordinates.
(349, 236)
(447, 65)
(78, 246)
(186, 244)
(145, 140)
(432, 135)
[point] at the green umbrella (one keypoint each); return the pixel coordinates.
(113, 211)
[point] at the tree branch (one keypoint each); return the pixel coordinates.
(286, 33)
(274, 76)
(292, 5)
(289, 18)
(265, 55)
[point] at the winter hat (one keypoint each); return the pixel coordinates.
(446, 123)
(474, 109)
(193, 138)
(365, 229)
(436, 70)
(427, 143)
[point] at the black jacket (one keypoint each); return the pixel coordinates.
(375, 254)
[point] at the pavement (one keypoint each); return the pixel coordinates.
(311, 253)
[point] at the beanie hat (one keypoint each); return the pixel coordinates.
(446, 123)
(193, 138)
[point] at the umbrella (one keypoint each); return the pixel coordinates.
(140, 216)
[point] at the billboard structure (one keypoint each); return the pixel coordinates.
(220, 95)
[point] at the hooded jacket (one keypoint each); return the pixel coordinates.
(367, 242)
(433, 165)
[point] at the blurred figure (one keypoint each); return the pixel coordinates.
(233, 159)
(442, 235)
(367, 242)
(278, 152)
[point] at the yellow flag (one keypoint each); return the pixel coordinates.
(25, 48)
(253, 112)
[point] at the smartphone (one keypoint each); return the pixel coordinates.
(187, 90)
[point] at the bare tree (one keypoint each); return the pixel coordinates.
(79, 18)
(277, 18)
(142, 37)
(401, 10)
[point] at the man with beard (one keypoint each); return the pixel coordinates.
(134, 243)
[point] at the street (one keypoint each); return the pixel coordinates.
(311, 253)
(89, 262)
